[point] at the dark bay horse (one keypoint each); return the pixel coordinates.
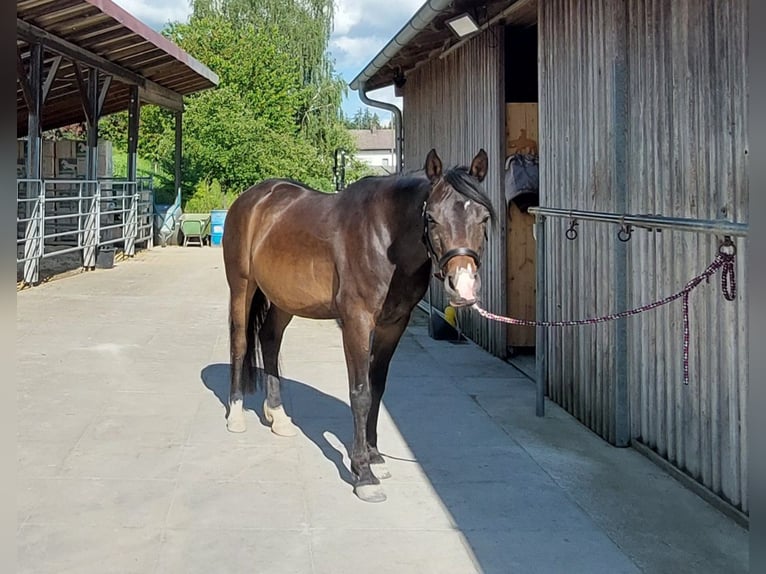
(362, 257)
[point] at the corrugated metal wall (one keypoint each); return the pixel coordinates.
(688, 140)
(577, 47)
(455, 104)
(685, 80)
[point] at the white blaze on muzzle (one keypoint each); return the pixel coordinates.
(465, 282)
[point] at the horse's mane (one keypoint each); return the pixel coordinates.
(458, 177)
(466, 185)
(386, 183)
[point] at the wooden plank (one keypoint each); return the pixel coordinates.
(521, 136)
(521, 128)
(520, 276)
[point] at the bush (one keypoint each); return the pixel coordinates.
(207, 196)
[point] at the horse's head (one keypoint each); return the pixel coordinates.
(456, 214)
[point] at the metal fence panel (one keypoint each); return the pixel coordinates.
(63, 216)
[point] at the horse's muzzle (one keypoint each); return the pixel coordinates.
(458, 303)
(462, 284)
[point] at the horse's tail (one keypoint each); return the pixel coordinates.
(259, 306)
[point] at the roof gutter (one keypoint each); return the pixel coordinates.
(418, 22)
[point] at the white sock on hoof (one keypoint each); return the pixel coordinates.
(235, 422)
(370, 493)
(281, 424)
(380, 470)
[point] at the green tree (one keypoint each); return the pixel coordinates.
(282, 93)
(276, 111)
(363, 120)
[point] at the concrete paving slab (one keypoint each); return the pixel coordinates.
(125, 463)
(76, 502)
(62, 549)
(342, 551)
(110, 461)
(207, 551)
(237, 505)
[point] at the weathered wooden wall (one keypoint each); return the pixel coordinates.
(688, 142)
(679, 143)
(455, 104)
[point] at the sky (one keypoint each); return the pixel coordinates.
(361, 30)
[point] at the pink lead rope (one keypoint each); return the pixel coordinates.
(723, 260)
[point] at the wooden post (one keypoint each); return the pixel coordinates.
(132, 185)
(34, 245)
(178, 150)
(90, 197)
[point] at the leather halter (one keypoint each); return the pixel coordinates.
(441, 262)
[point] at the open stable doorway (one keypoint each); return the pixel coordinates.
(521, 186)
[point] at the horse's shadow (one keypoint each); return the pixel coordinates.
(334, 415)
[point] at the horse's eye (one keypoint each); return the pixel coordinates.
(430, 218)
(485, 219)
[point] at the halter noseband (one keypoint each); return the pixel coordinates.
(441, 262)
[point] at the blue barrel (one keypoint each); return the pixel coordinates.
(217, 219)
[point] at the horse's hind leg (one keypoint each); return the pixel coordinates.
(239, 307)
(270, 337)
(384, 343)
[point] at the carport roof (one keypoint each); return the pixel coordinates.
(427, 36)
(98, 33)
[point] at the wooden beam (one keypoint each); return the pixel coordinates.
(51, 76)
(102, 95)
(45, 7)
(154, 93)
(23, 76)
(83, 92)
(151, 97)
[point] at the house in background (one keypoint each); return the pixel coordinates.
(376, 148)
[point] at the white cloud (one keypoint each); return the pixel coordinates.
(352, 53)
(156, 13)
(371, 14)
(363, 28)
(348, 13)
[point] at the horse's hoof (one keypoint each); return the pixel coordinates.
(236, 424)
(370, 493)
(380, 470)
(281, 424)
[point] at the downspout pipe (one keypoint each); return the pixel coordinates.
(398, 126)
(421, 20)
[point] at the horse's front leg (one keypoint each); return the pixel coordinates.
(384, 343)
(357, 338)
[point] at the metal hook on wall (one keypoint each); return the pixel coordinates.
(571, 232)
(625, 232)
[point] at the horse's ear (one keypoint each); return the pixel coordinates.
(479, 165)
(433, 166)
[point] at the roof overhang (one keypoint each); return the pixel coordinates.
(78, 34)
(427, 35)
